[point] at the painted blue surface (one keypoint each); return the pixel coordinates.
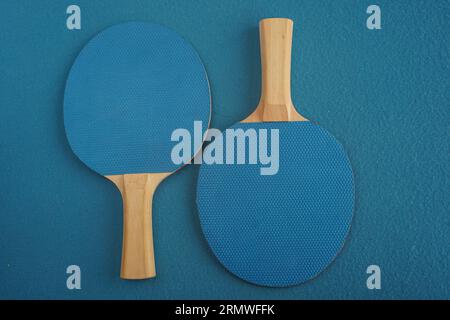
(383, 94)
(132, 86)
(282, 229)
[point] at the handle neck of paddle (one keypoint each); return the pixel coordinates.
(276, 44)
(138, 261)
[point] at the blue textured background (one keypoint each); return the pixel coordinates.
(383, 94)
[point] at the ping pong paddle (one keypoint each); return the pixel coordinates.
(130, 87)
(281, 229)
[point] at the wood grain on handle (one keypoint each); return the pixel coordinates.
(138, 261)
(276, 46)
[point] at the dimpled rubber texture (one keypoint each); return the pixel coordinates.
(129, 88)
(282, 229)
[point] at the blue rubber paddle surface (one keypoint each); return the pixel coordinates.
(130, 87)
(282, 229)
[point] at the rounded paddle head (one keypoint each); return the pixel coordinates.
(282, 229)
(130, 87)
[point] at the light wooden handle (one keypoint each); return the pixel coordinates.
(138, 261)
(276, 45)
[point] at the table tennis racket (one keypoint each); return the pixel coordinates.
(130, 87)
(281, 229)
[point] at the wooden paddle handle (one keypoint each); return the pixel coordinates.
(138, 260)
(276, 45)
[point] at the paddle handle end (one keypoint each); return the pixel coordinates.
(276, 43)
(138, 259)
(276, 46)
